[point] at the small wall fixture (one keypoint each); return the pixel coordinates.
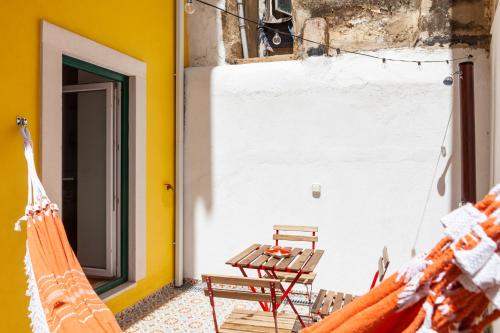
(316, 191)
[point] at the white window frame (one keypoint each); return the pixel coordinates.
(56, 42)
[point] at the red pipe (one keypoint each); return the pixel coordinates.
(467, 131)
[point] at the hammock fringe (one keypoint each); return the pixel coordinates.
(35, 308)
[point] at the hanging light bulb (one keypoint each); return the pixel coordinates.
(419, 65)
(277, 39)
(384, 63)
(448, 81)
(189, 7)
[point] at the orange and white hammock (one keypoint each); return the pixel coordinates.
(61, 298)
(447, 290)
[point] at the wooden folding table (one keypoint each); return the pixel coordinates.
(301, 261)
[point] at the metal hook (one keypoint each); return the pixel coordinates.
(21, 121)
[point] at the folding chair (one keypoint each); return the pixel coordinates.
(329, 301)
(297, 233)
(248, 320)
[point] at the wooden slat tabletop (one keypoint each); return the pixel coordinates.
(299, 259)
(261, 260)
(252, 256)
(242, 254)
(283, 265)
(311, 264)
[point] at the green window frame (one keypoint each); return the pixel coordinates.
(124, 153)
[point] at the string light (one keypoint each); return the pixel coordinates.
(189, 7)
(384, 63)
(448, 81)
(338, 50)
(277, 39)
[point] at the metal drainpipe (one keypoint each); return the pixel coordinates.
(243, 28)
(179, 146)
(467, 130)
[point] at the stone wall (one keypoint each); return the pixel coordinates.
(379, 24)
(369, 25)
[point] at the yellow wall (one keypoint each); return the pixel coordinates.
(142, 29)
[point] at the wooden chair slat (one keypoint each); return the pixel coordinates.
(311, 264)
(240, 281)
(254, 321)
(254, 255)
(299, 262)
(263, 313)
(380, 269)
(295, 238)
(234, 260)
(260, 316)
(329, 299)
(286, 227)
(283, 264)
(241, 320)
(386, 262)
(242, 295)
(253, 329)
(319, 301)
(347, 299)
(339, 299)
(225, 330)
(303, 279)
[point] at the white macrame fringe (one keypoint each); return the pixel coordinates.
(427, 324)
(36, 313)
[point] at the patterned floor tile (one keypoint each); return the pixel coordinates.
(186, 310)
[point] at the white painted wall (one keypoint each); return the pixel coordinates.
(258, 136)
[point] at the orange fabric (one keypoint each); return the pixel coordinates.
(380, 310)
(69, 302)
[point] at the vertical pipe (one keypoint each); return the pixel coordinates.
(179, 145)
(243, 28)
(467, 131)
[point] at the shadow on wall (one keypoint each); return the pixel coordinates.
(448, 176)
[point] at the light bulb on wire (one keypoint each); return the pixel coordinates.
(277, 39)
(448, 81)
(384, 63)
(189, 7)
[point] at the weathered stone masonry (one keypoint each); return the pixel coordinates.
(378, 24)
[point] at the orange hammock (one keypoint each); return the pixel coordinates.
(61, 298)
(446, 290)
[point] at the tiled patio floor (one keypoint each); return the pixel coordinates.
(185, 309)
